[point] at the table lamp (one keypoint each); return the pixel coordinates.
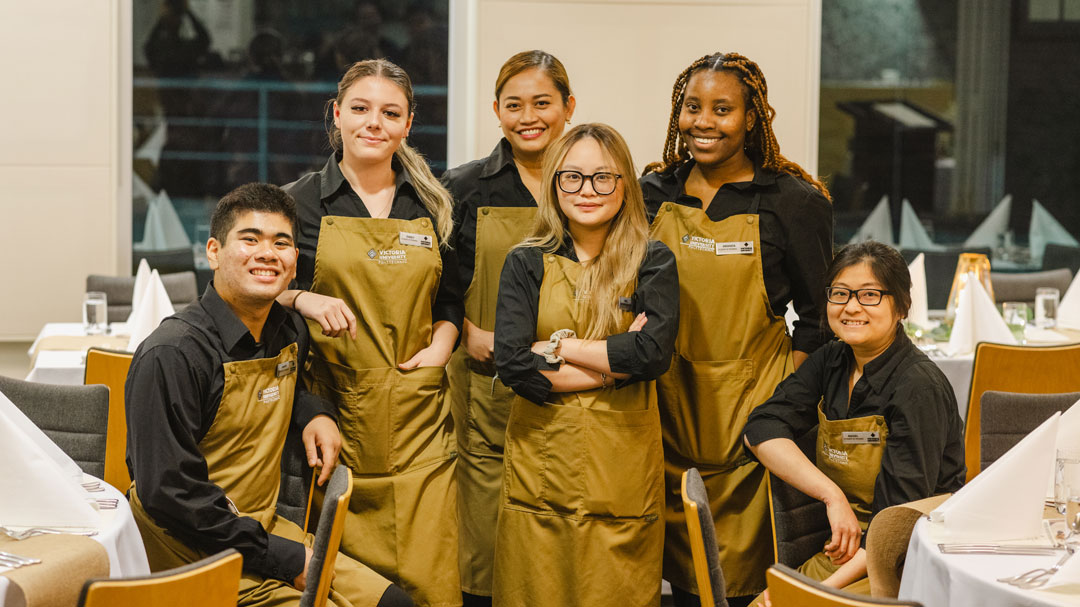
(969, 265)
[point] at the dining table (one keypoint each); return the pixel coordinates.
(58, 354)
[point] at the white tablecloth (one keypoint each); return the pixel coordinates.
(65, 367)
(960, 580)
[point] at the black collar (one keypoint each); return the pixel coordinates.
(233, 332)
(500, 159)
(878, 370)
(762, 177)
(331, 179)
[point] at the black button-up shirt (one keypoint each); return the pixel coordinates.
(327, 192)
(644, 355)
(487, 182)
(796, 230)
(172, 394)
(924, 452)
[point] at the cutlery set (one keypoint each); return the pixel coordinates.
(14, 561)
(22, 534)
(1037, 578)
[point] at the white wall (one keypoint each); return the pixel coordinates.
(623, 56)
(60, 156)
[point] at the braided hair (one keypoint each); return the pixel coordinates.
(761, 146)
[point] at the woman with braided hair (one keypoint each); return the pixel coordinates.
(751, 232)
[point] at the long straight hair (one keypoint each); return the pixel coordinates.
(613, 273)
(432, 194)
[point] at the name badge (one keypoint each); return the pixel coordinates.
(626, 304)
(861, 438)
(285, 368)
(735, 248)
(414, 240)
(270, 395)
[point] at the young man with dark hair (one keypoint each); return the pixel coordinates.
(209, 399)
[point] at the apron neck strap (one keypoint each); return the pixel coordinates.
(755, 204)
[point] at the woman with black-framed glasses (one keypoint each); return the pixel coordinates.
(889, 431)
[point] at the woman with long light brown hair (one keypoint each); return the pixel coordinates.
(585, 321)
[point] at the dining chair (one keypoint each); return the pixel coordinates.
(1008, 368)
(110, 368)
(1008, 417)
(1021, 286)
(73, 417)
(294, 494)
(887, 541)
(182, 288)
(789, 588)
(703, 546)
(800, 523)
(212, 582)
(940, 268)
(1061, 256)
(324, 550)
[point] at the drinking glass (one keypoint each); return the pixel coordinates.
(1016, 315)
(95, 312)
(1046, 305)
(1066, 477)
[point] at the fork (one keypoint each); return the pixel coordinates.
(1036, 577)
(15, 561)
(22, 534)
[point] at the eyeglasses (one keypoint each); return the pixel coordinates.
(866, 297)
(571, 182)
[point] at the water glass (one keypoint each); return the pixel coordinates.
(95, 312)
(1066, 477)
(1016, 315)
(1046, 305)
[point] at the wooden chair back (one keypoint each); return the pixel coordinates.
(335, 505)
(1024, 369)
(110, 368)
(789, 588)
(211, 582)
(703, 546)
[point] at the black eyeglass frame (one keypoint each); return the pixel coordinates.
(589, 178)
(858, 295)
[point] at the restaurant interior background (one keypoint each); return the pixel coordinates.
(950, 104)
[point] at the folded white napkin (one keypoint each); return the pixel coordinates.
(153, 144)
(1068, 436)
(912, 233)
(878, 225)
(919, 313)
(38, 492)
(1005, 501)
(1045, 230)
(27, 427)
(995, 224)
(163, 229)
(154, 306)
(977, 319)
(142, 278)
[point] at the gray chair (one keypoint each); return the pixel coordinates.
(800, 523)
(73, 417)
(168, 261)
(1007, 417)
(940, 269)
(702, 531)
(1021, 286)
(324, 548)
(118, 290)
(295, 479)
(1061, 256)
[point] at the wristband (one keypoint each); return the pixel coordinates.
(295, 297)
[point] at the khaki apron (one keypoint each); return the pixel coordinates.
(397, 433)
(853, 465)
(243, 450)
(583, 489)
(730, 354)
(481, 402)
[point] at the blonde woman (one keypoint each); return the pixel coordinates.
(585, 321)
(381, 294)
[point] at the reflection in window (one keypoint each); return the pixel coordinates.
(232, 91)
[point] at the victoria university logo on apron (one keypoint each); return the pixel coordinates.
(836, 456)
(386, 257)
(699, 243)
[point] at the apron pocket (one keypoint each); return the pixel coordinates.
(363, 410)
(488, 409)
(525, 462)
(623, 465)
(421, 425)
(710, 407)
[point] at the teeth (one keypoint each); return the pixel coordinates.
(853, 322)
(264, 272)
(531, 131)
(706, 140)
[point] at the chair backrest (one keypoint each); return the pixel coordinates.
(295, 487)
(73, 417)
(703, 546)
(1008, 417)
(110, 368)
(328, 538)
(212, 582)
(1024, 369)
(887, 541)
(940, 269)
(789, 588)
(800, 523)
(1021, 286)
(1061, 256)
(181, 287)
(168, 261)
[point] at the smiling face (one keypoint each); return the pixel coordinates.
(531, 112)
(374, 117)
(587, 209)
(714, 120)
(869, 330)
(256, 262)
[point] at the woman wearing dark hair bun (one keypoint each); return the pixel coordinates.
(889, 431)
